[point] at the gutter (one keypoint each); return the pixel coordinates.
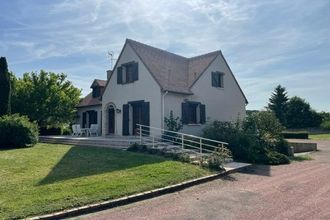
(163, 108)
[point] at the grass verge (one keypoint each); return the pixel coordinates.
(301, 157)
(319, 136)
(50, 177)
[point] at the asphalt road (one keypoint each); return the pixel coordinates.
(300, 190)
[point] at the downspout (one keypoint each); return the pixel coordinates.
(163, 108)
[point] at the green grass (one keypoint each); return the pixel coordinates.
(319, 136)
(51, 177)
(300, 158)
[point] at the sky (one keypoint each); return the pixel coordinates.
(265, 42)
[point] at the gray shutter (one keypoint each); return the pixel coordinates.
(119, 75)
(126, 119)
(202, 114)
(135, 71)
(184, 112)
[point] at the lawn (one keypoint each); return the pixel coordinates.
(51, 177)
(319, 136)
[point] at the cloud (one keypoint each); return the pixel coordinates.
(265, 42)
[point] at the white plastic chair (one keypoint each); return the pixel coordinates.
(94, 129)
(74, 130)
(78, 129)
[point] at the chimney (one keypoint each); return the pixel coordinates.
(109, 72)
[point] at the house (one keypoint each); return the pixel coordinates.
(89, 110)
(147, 83)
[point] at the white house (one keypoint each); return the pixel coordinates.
(147, 83)
(89, 110)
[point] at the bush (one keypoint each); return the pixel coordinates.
(17, 131)
(250, 140)
(217, 159)
(50, 131)
(326, 125)
(295, 135)
(276, 158)
(283, 147)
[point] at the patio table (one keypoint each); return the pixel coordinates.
(86, 131)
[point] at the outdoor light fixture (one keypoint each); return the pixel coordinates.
(118, 110)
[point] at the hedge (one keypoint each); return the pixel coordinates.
(295, 135)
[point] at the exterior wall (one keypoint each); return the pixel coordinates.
(98, 109)
(223, 104)
(145, 88)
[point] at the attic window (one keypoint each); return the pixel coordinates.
(127, 73)
(217, 79)
(96, 92)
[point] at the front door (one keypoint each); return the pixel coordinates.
(111, 128)
(136, 112)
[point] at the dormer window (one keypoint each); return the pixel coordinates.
(217, 79)
(96, 92)
(127, 73)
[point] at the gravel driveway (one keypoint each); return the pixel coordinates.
(300, 190)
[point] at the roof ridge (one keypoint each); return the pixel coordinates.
(156, 48)
(205, 54)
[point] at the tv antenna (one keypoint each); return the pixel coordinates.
(111, 58)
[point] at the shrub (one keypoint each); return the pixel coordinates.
(173, 125)
(50, 131)
(17, 131)
(275, 158)
(326, 125)
(218, 158)
(283, 147)
(295, 135)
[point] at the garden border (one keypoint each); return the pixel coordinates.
(86, 209)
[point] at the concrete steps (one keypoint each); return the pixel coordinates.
(88, 141)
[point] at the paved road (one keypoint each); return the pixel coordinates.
(300, 190)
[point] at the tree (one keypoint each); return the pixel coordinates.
(301, 115)
(5, 89)
(278, 103)
(47, 98)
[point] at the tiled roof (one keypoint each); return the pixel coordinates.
(173, 72)
(90, 101)
(99, 82)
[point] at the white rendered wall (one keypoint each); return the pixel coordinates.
(223, 104)
(145, 88)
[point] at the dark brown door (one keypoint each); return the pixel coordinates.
(111, 128)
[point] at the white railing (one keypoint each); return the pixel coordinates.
(158, 136)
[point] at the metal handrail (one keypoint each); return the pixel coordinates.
(189, 135)
(144, 132)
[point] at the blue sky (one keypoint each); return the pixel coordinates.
(266, 43)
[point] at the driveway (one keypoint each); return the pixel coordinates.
(300, 190)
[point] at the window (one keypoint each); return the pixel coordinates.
(127, 73)
(96, 92)
(217, 79)
(193, 113)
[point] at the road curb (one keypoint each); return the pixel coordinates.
(132, 198)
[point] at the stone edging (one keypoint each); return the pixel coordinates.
(130, 199)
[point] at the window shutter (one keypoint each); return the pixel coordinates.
(146, 116)
(214, 79)
(126, 119)
(185, 112)
(84, 120)
(119, 75)
(202, 114)
(135, 71)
